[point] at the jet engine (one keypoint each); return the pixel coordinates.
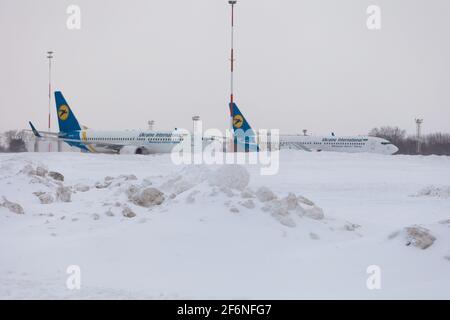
(132, 150)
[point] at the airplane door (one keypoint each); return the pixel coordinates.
(372, 145)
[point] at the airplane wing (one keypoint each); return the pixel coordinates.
(298, 146)
(84, 142)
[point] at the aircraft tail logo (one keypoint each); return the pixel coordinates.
(238, 121)
(63, 112)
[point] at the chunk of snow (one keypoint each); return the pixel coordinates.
(433, 191)
(283, 218)
(313, 236)
(148, 197)
(314, 212)
(103, 185)
(41, 171)
(132, 190)
(56, 176)
(96, 216)
(304, 200)
(127, 177)
(264, 194)
(227, 191)
(234, 209)
(46, 198)
(28, 170)
(81, 187)
(127, 212)
(247, 193)
(419, 237)
(289, 202)
(12, 206)
(63, 194)
(351, 226)
(109, 213)
(249, 204)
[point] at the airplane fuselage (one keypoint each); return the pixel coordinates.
(351, 144)
(132, 141)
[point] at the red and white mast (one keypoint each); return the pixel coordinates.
(232, 3)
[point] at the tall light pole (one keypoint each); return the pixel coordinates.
(418, 124)
(49, 57)
(151, 125)
(195, 120)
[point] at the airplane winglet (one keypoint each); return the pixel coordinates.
(36, 133)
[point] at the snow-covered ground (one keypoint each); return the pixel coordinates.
(210, 235)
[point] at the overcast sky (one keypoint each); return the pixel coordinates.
(299, 63)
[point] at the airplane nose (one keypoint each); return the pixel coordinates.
(394, 149)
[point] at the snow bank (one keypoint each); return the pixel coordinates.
(325, 223)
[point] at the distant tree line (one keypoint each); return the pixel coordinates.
(434, 143)
(13, 141)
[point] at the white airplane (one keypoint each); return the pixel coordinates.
(246, 138)
(351, 144)
(122, 142)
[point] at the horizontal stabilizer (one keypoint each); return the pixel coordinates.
(36, 133)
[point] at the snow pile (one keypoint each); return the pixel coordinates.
(200, 183)
(281, 209)
(434, 191)
(225, 186)
(52, 181)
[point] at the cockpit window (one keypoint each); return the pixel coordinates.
(385, 143)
